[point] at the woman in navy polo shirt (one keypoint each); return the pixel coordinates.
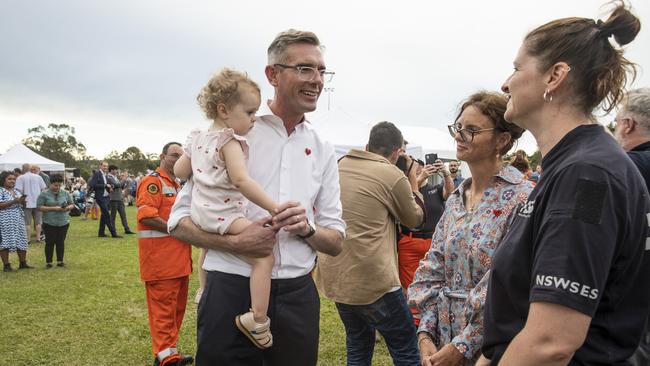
(569, 282)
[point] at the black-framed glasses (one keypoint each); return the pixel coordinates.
(466, 134)
(308, 73)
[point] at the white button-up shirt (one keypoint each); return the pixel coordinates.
(31, 185)
(298, 167)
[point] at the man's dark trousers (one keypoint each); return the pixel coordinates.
(103, 203)
(117, 206)
(294, 309)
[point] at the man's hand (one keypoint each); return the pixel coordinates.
(257, 240)
(425, 173)
(441, 168)
(291, 217)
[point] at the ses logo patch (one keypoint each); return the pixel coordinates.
(527, 209)
(566, 285)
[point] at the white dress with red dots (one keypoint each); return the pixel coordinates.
(216, 203)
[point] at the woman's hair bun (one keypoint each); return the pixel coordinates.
(621, 24)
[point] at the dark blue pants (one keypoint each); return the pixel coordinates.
(105, 220)
(294, 309)
(389, 315)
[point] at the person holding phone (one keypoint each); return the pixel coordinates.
(12, 225)
(414, 243)
(451, 282)
(55, 203)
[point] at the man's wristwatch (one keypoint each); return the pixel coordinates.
(312, 230)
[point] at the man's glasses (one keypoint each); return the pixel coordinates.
(466, 134)
(308, 73)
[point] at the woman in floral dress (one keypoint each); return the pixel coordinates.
(451, 282)
(13, 234)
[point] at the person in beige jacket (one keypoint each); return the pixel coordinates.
(363, 279)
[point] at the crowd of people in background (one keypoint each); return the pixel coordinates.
(36, 207)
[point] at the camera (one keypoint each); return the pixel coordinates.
(401, 164)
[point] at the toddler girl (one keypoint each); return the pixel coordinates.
(217, 160)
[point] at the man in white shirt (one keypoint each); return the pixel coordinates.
(31, 185)
(295, 167)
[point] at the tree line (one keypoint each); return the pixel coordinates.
(58, 142)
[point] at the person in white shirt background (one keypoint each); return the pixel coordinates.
(31, 185)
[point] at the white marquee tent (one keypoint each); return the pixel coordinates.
(21, 154)
(345, 133)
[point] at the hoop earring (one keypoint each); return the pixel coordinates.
(548, 97)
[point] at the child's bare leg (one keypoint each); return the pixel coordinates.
(202, 273)
(260, 280)
(261, 286)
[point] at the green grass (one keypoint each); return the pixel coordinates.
(93, 311)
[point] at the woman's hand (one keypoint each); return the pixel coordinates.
(427, 349)
(447, 356)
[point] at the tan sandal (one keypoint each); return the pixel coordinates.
(259, 334)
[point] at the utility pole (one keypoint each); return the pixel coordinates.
(329, 92)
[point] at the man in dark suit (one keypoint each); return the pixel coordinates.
(99, 184)
(116, 197)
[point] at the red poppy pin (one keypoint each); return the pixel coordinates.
(307, 151)
(221, 219)
(497, 212)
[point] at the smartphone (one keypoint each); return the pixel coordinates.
(429, 159)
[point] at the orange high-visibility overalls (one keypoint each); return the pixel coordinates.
(165, 265)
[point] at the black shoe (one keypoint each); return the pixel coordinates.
(186, 360)
(7, 268)
(60, 264)
(102, 235)
(24, 265)
(117, 236)
(129, 232)
(48, 266)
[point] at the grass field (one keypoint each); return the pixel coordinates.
(93, 311)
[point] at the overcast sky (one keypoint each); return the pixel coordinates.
(126, 73)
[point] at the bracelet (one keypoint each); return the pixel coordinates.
(424, 338)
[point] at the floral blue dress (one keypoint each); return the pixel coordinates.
(450, 284)
(13, 234)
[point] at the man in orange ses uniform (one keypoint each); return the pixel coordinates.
(165, 262)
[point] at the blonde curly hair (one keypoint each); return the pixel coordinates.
(224, 87)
